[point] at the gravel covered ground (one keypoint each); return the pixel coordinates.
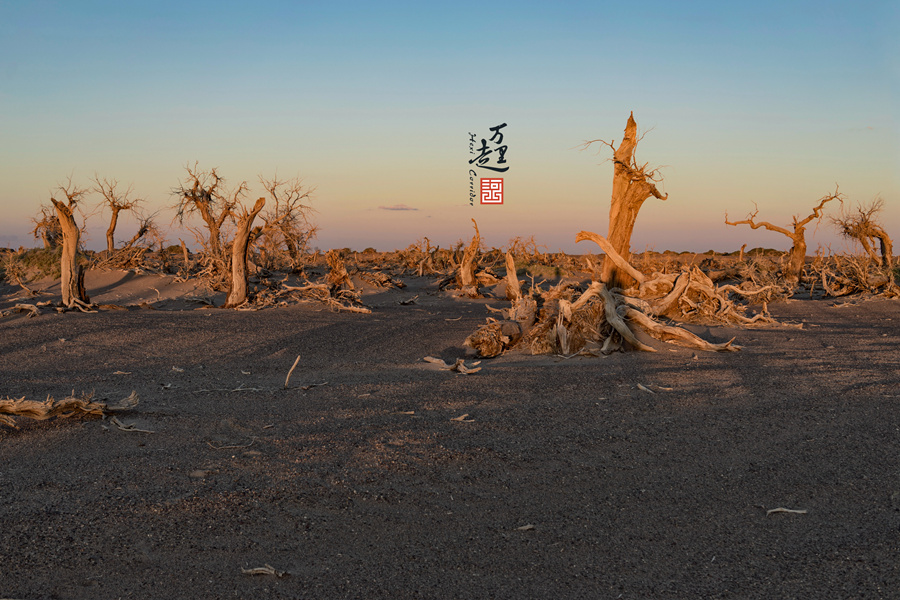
(565, 480)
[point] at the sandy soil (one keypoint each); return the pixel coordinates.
(566, 479)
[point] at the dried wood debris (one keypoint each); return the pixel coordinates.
(31, 309)
(67, 407)
(842, 275)
(381, 279)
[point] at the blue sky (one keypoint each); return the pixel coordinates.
(372, 104)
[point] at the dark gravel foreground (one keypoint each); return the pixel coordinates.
(566, 480)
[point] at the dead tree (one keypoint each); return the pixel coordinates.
(237, 294)
(632, 184)
(202, 193)
(116, 201)
(863, 227)
(289, 219)
(47, 228)
(72, 283)
(797, 253)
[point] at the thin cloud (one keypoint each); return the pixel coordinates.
(397, 207)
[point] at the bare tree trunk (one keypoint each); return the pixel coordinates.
(796, 257)
(187, 258)
(237, 295)
(867, 239)
(291, 244)
(110, 243)
(631, 186)
(887, 248)
(215, 245)
(72, 283)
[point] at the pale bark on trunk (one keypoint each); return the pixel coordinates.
(238, 292)
(72, 283)
(631, 186)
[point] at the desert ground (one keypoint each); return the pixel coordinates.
(376, 474)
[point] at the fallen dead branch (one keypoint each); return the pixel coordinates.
(210, 444)
(239, 388)
(785, 510)
(67, 407)
(459, 366)
(264, 570)
(294, 366)
(123, 427)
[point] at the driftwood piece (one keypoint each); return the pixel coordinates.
(67, 407)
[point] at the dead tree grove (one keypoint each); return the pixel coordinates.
(226, 268)
(797, 253)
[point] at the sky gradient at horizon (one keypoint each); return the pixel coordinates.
(372, 104)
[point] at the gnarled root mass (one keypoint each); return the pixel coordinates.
(67, 407)
(567, 319)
